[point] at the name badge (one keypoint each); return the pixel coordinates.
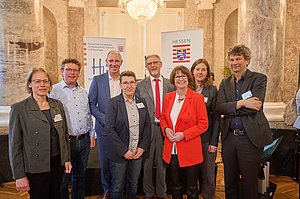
(57, 118)
(140, 105)
(205, 99)
(247, 95)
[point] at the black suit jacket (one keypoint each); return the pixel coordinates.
(255, 122)
(117, 125)
(212, 134)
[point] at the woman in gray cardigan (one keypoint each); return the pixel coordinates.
(38, 140)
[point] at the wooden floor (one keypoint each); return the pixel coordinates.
(286, 187)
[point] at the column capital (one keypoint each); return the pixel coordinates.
(77, 3)
(205, 4)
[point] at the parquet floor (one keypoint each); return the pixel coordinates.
(286, 187)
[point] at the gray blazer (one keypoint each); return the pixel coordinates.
(144, 90)
(29, 137)
(255, 122)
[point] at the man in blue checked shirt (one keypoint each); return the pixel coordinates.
(80, 124)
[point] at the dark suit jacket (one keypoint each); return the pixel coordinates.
(212, 134)
(98, 97)
(118, 127)
(29, 137)
(144, 89)
(255, 122)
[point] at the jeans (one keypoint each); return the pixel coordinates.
(128, 171)
(79, 158)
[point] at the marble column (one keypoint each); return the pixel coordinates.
(205, 21)
(261, 27)
(21, 46)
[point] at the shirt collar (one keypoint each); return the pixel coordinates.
(64, 85)
(126, 100)
(152, 78)
(243, 75)
(110, 78)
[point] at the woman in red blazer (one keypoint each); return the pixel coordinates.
(183, 119)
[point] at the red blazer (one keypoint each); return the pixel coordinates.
(192, 121)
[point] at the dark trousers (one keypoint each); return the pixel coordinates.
(47, 185)
(187, 174)
(152, 158)
(208, 172)
(79, 158)
(241, 165)
(104, 161)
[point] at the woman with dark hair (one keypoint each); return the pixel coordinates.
(38, 140)
(182, 121)
(203, 85)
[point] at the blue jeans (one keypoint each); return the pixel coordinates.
(128, 171)
(79, 158)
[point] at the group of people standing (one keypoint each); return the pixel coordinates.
(156, 122)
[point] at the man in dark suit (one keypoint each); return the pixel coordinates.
(104, 87)
(129, 132)
(245, 128)
(147, 90)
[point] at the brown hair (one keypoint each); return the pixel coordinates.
(29, 78)
(207, 81)
(240, 50)
(127, 73)
(183, 70)
(68, 61)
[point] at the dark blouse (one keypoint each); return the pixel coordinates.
(54, 139)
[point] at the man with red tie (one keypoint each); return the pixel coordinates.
(153, 89)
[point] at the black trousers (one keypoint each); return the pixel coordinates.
(47, 185)
(178, 175)
(241, 167)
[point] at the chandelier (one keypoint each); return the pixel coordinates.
(142, 10)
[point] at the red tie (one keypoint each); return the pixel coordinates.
(157, 99)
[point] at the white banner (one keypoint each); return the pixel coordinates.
(95, 52)
(180, 48)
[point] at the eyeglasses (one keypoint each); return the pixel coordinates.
(181, 76)
(41, 81)
(128, 83)
(154, 62)
(69, 70)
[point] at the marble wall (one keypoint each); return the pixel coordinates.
(291, 50)
(231, 34)
(205, 21)
(22, 46)
(222, 10)
(261, 28)
(59, 9)
(190, 15)
(50, 32)
(218, 23)
(76, 33)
